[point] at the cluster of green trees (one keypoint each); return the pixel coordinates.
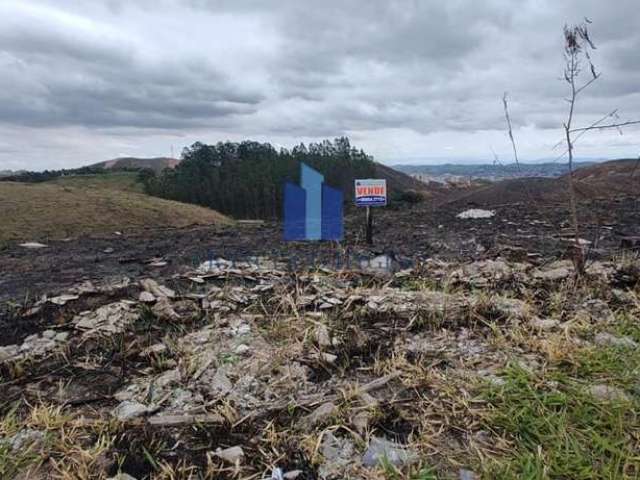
(246, 179)
(46, 175)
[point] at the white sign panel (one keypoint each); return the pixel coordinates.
(371, 192)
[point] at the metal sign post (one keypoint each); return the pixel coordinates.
(370, 192)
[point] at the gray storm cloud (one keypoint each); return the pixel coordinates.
(405, 79)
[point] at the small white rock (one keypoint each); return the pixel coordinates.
(474, 213)
(122, 476)
(241, 349)
(61, 337)
(605, 339)
(233, 455)
(32, 245)
(608, 393)
(146, 297)
(49, 334)
(292, 474)
(128, 410)
(544, 323)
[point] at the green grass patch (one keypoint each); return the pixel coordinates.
(559, 431)
(628, 325)
(619, 367)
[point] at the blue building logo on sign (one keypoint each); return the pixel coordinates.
(313, 210)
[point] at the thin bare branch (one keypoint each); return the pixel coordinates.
(563, 141)
(513, 142)
(596, 77)
(603, 127)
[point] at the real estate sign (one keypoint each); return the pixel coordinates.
(371, 192)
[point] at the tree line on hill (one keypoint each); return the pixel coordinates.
(246, 179)
(46, 175)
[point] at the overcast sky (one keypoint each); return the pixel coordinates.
(409, 81)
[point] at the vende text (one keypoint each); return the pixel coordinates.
(367, 191)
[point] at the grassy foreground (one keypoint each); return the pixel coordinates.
(88, 205)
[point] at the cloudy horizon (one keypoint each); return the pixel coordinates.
(407, 81)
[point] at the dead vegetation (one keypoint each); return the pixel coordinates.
(91, 205)
(492, 368)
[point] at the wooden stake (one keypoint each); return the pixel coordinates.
(369, 226)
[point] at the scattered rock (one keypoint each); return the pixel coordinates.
(129, 410)
(122, 476)
(323, 339)
(232, 455)
(511, 307)
(324, 357)
(158, 264)
(544, 323)
(48, 334)
(475, 213)
(33, 245)
(320, 415)
(163, 310)
(292, 474)
(9, 352)
(156, 289)
(61, 337)
(555, 271)
(464, 474)
(63, 299)
(106, 320)
(156, 349)
(605, 339)
(26, 438)
(608, 393)
(146, 297)
(596, 311)
(361, 421)
(42, 344)
(337, 454)
(624, 296)
(220, 384)
(381, 449)
(241, 349)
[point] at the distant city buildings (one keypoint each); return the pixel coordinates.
(456, 174)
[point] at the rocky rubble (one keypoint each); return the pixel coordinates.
(328, 356)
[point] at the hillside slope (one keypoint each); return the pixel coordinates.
(52, 210)
(398, 181)
(156, 164)
(601, 181)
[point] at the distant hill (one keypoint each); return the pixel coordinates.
(10, 173)
(490, 171)
(397, 180)
(89, 204)
(602, 180)
(157, 164)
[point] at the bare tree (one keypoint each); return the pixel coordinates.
(577, 48)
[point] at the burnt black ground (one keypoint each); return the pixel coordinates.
(408, 234)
